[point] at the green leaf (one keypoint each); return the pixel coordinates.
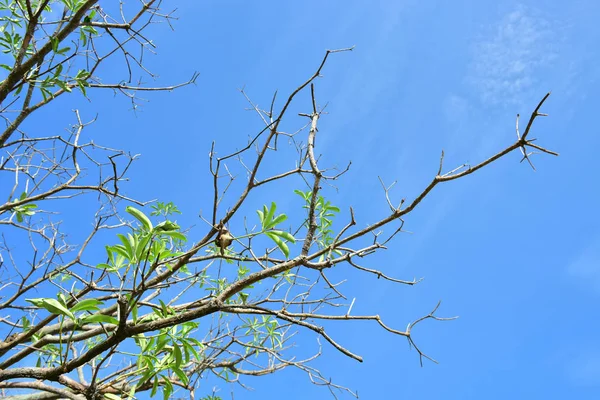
(284, 235)
(82, 85)
(277, 220)
(305, 195)
(166, 226)
(87, 305)
(167, 389)
(83, 37)
(175, 235)
(271, 213)
(154, 387)
(125, 249)
(142, 246)
(140, 216)
(177, 354)
(280, 243)
(63, 85)
(111, 396)
(164, 307)
(243, 297)
(191, 348)
(63, 50)
(120, 250)
(53, 306)
(54, 41)
(181, 375)
(100, 318)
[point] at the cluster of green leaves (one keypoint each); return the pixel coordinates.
(145, 243)
(164, 209)
(262, 331)
(325, 212)
(73, 5)
(51, 353)
(55, 79)
(11, 25)
(24, 210)
(217, 285)
(59, 306)
(12, 29)
(82, 313)
(86, 31)
(169, 350)
(10, 43)
(269, 221)
(149, 243)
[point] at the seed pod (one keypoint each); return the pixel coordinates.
(224, 238)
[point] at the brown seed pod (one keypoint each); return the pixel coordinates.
(223, 239)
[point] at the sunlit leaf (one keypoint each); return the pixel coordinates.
(87, 305)
(53, 306)
(140, 216)
(280, 243)
(284, 235)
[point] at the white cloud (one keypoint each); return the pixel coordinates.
(510, 55)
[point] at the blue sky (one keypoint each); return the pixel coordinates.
(513, 252)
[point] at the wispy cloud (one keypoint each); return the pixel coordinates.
(509, 56)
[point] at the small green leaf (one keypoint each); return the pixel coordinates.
(181, 375)
(175, 235)
(141, 247)
(277, 220)
(154, 387)
(191, 348)
(280, 243)
(54, 42)
(126, 247)
(284, 235)
(261, 216)
(87, 305)
(271, 214)
(53, 306)
(166, 226)
(243, 297)
(63, 50)
(177, 354)
(120, 250)
(167, 389)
